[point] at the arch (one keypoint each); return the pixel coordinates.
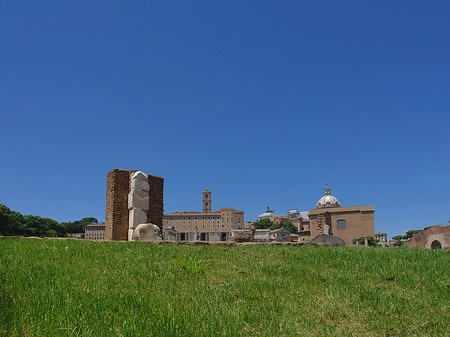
(436, 245)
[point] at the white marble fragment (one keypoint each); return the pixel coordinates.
(139, 175)
(140, 185)
(138, 199)
(147, 232)
(130, 234)
(137, 216)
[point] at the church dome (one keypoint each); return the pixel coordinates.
(328, 200)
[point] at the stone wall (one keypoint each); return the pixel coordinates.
(429, 237)
(117, 213)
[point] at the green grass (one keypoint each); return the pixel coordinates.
(80, 288)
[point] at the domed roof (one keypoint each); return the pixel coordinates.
(328, 200)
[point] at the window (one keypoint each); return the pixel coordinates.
(341, 224)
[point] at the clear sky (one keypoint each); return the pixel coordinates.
(264, 102)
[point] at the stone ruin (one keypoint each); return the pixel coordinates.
(243, 235)
(435, 237)
(134, 206)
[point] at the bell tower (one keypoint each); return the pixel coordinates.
(207, 200)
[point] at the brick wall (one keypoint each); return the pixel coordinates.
(156, 210)
(117, 189)
(117, 215)
(425, 239)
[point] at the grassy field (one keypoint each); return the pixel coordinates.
(80, 288)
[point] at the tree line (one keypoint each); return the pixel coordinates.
(268, 224)
(13, 223)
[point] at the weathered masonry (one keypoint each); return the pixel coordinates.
(435, 237)
(124, 186)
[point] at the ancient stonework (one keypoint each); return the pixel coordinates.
(132, 198)
(436, 237)
(138, 201)
(244, 235)
(147, 232)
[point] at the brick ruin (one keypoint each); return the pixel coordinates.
(435, 237)
(324, 224)
(118, 187)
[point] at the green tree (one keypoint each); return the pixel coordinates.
(371, 241)
(268, 224)
(409, 234)
(263, 224)
(14, 223)
(79, 225)
(5, 224)
(290, 226)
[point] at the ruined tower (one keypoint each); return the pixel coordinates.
(144, 192)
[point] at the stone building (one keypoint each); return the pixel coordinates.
(435, 237)
(208, 225)
(280, 235)
(262, 236)
(95, 231)
(381, 237)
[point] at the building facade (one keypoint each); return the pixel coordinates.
(95, 231)
(329, 217)
(381, 237)
(212, 226)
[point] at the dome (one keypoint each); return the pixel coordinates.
(328, 200)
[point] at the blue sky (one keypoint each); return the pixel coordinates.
(265, 102)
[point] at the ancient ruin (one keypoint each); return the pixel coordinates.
(146, 232)
(435, 237)
(133, 198)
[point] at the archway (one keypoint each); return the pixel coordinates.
(436, 245)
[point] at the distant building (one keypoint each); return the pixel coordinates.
(280, 235)
(95, 231)
(329, 217)
(262, 236)
(269, 214)
(381, 237)
(204, 226)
